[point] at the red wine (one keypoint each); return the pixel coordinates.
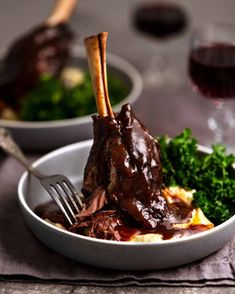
(212, 70)
(160, 19)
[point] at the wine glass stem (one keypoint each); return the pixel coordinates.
(221, 122)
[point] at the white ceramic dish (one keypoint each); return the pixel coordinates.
(48, 135)
(70, 160)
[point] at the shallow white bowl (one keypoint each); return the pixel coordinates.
(48, 135)
(70, 160)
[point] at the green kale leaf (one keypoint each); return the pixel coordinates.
(211, 175)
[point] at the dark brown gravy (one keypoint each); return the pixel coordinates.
(166, 233)
(50, 211)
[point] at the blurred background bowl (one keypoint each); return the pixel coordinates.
(48, 135)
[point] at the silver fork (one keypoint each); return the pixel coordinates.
(59, 187)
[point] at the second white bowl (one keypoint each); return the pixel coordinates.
(48, 135)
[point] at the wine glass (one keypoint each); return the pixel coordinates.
(212, 73)
(161, 20)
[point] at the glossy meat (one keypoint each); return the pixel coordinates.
(102, 225)
(125, 159)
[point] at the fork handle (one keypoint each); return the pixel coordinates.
(8, 144)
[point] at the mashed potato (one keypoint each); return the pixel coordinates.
(197, 221)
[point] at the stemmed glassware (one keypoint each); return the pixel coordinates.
(160, 20)
(212, 73)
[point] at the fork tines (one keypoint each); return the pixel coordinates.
(64, 194)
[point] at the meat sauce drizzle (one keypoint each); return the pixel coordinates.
(50, 211)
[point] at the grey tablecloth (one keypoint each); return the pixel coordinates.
(23, 257)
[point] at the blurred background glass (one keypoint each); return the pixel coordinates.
(161, 20)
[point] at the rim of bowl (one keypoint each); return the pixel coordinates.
(113, 61)
(67, 148)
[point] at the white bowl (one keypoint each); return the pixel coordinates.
(48, 135)
(70, 160)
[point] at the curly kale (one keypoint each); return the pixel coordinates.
(211, 175)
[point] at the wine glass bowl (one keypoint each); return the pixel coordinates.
(211, 70)
(212, 73)
(160, 19)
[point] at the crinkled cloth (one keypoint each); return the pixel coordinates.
(24, 258)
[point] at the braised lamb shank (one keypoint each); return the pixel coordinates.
(123, 171)
(45, 49)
